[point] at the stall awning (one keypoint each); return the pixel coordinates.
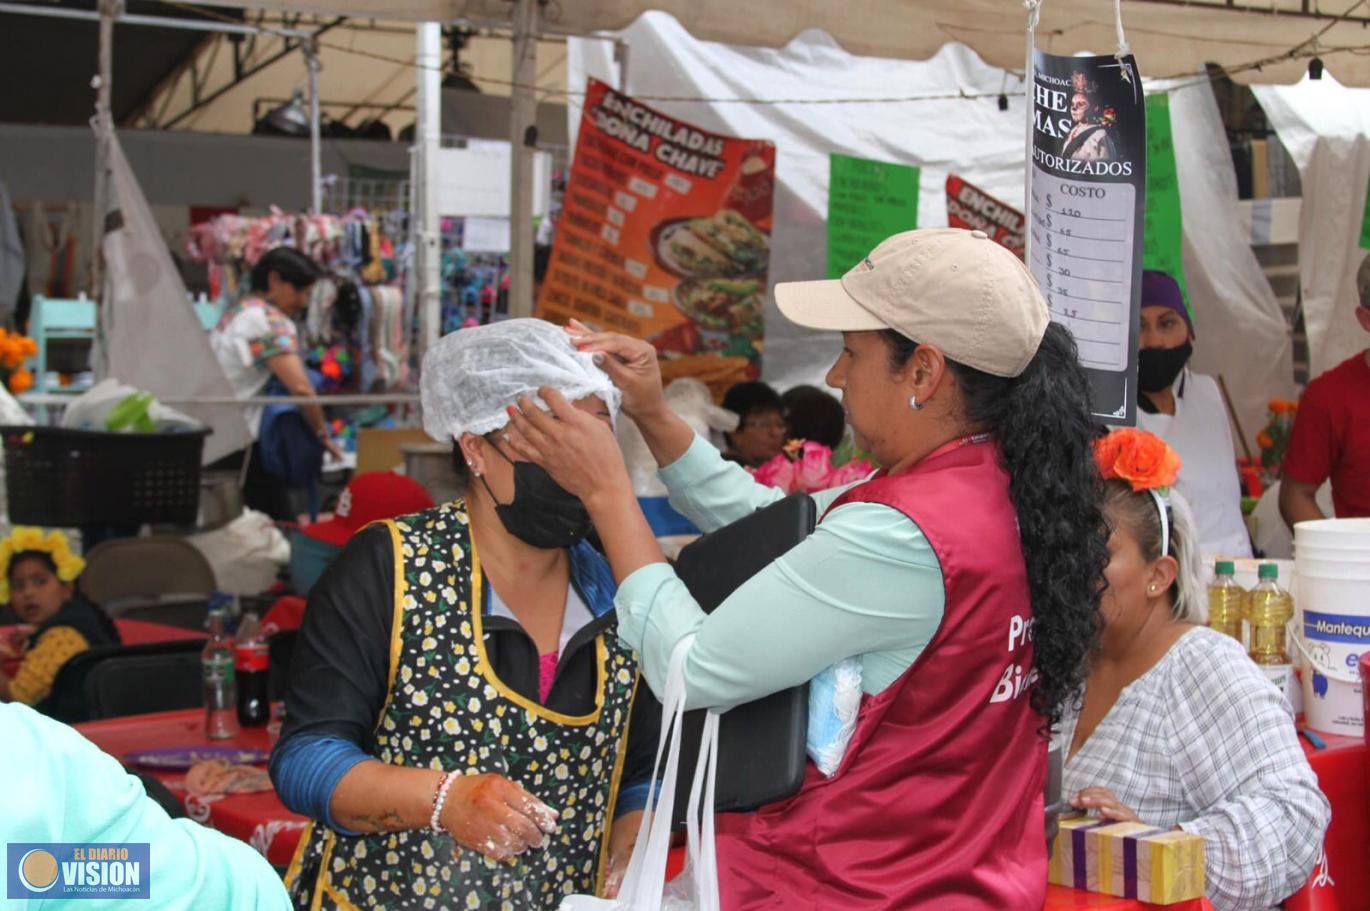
(1170, 37)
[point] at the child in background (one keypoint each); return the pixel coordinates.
(38, 573)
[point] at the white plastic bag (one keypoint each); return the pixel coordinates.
(91, 409)
(644, 884)
(834, 706)
(246, 554)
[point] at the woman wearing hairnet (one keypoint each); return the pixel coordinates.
(458, 716)
(964, 579)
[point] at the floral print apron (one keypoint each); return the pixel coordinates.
(447, 710)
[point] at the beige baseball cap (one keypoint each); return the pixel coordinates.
(956, 289)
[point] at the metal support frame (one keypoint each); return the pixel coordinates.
(425, 222)
(1305, 10)
(311, 56)
(523, 143)
(244, 67)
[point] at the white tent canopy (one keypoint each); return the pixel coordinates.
(1170, 37)
(1242, 335)
(1326, 128)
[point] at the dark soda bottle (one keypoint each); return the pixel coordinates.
(253, 665)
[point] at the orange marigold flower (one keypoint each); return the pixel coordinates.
(1264, 440)
(1140, 458)
(21, 380)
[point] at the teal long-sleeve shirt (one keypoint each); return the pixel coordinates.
(865, 584)
(63, 788)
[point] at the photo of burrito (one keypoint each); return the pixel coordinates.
(730, 305)
(724, 245)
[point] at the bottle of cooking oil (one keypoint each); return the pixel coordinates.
(1226, 600)
(1270, 608)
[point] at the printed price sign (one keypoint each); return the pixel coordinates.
(1088, 187)
(867, 202)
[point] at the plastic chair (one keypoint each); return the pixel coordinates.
(124, 572)
(135, 684)
(69, 698)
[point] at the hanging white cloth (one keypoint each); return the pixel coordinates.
(151, 337)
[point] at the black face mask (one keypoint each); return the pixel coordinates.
(543, 514)
(1157, 368)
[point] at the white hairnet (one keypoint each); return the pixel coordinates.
(471, 376)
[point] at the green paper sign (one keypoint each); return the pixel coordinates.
(1163, 241)
(1365, 224)
(867, 202)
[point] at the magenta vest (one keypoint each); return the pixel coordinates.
(938, 803)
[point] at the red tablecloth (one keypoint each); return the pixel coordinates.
(259, 819)
(131, 632)
(1343, 771)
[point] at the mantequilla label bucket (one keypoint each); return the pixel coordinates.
(1332, 689)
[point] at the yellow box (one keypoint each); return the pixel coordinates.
(1129, 860)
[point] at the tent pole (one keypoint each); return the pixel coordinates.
(109, 11)
(425, 217)
(311, 56)
(523, 142)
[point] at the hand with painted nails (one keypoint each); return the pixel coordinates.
(577, 449)
(496, 817)
(631, 363)
(1102, 802)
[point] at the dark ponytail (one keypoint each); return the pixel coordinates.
(290, 265)
(1042, 422)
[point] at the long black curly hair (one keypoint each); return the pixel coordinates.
(1042, 422)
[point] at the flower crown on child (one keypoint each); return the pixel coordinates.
(1144, 461)
(29, 540)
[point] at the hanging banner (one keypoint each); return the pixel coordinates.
(665, 235)
(1163, 244)
(1088, 186)
(867, 202)
(970, 207)
(1365, 224)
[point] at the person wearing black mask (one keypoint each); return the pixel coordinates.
(459, 683)
(1185, 409)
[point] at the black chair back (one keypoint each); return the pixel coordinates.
(173, 684)
(188, 614)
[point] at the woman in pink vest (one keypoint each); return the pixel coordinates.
(963, 579)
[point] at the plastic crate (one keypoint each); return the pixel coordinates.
(68, 478)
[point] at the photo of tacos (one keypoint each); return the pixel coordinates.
(730, 305)
(724, 244)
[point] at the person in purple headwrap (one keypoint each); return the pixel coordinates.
(1186, 410)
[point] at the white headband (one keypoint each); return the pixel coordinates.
(1165, 520)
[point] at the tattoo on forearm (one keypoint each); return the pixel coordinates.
(387, 821)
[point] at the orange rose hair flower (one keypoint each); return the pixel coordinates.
(1140, 458)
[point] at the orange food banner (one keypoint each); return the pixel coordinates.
(665, 235)
(970, 207)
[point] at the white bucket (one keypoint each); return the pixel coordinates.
(1338, 533)
(1333, 571)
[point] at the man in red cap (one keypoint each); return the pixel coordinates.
(368, 498)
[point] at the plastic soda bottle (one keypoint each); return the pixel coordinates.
(221, 691)
(1226, 600)
(253, 669)
(1270, 608)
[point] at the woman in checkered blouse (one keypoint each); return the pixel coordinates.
(1177, 727)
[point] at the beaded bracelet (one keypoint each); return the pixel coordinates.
(439, 801)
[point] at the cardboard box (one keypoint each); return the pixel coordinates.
(1128, 860)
